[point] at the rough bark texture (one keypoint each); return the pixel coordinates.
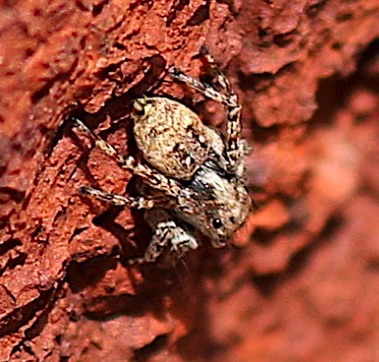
(301, 285)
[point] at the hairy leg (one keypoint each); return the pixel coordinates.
(168, 235)
(226, 96)
(118, 200)
(151, 177)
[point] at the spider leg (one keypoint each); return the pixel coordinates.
(139, 202)
(151, 177)
(225, 96)
(168, 234)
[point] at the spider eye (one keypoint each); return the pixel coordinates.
(217, 223)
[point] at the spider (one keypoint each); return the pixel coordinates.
(191, 179)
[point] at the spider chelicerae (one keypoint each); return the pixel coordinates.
(191, 178)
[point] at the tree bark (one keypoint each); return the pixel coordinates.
(298, 283)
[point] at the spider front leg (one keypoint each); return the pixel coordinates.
(225, 96)
(151, 177)
(118, 200)
(168, 235)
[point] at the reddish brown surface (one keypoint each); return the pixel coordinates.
(302, 284)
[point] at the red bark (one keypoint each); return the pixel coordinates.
(301, 285)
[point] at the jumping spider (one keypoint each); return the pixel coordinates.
(191, 179)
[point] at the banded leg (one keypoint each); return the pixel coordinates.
(168, 235)
(154, 179)
(225, 96)
(118, 200)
